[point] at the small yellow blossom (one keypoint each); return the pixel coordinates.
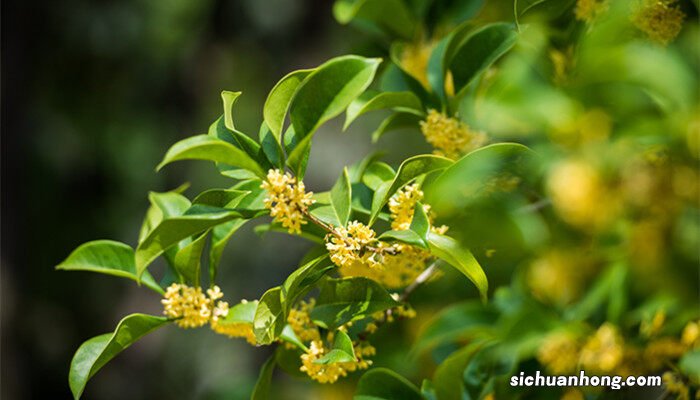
(578, 194)
(691, 334)
(559, 353)
(330, 373)
(287, 199)
(299, 320)
(235, 330)
(349, 246)
(191, 307)
(402, 205)
(589, 10)
(660, 20)
(603, 351)
(449, 136)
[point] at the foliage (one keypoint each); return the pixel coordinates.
(586, 191)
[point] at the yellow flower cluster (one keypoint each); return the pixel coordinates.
(233, 329)
(287, 199)
(450, 137)
(603, 351)
(192, 308)
(349, 246)
(589, 10)
(674, 384)
(330, 373)
(300, 322)
(660, 20)
(559, 353)
(556, 277)
(402, 206)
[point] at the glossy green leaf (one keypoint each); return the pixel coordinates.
(290, 337)
(452, 252)
(107, 257)
(442, 54)
(243, 312)
(162, 205)
(324, 94)
(172, 230)
(229, 98)
(420, 224)
(299, 281)
(269, 317)
(396, 78)
(389, 16)
(448, 380)
(479, 51)
(468, 177)
(341, 198)
(349, 299)
(373, 101)
(188, 260)
(222, 198)
(279, 99)
(96, 352)
(271, 147)
(385, 384)
(261, 391)
(409, 170)
(342, 350)
(255, 199)
(454, 323)
(220, 236)
(395, 122)
(377, 173)
(205, 147)
(406, 236)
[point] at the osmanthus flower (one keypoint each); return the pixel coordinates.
(190, 307)
(604, 350)
(300, 322)
(449, 136)
(660, 20)
(287, 199)
(559, 353)
(350, 245)
(330, 373)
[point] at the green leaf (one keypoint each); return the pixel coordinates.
(172, 230)
(448, 380)
(162, 205)
(205, 147)
(219, 238)
(389, 16)
(376, 174)
(452, 252)
(420, 224)
(410, 169)
(342, 350)
(222, 198)
(229, 99)
(385, 384)
(299, 281)
(372, 101)
(188, 260)
(468, 177)
(107, 257)
(358, 169)
(279, 99)
(349, 299)
(269, 317)
(290, 337)
(455, 323)
(324, 94)
(96, 352)
(408, 237)
(395, 122)
(479, 51)
(341, 198)
(255, 200)
(271, 147)
(261, 391)
(243, 312)
(690, 365)
(441, 56)
(553, 8)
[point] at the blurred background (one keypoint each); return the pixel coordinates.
(93, 94)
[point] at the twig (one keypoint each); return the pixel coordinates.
(420, 279)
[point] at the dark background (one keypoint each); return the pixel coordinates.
(93, 94)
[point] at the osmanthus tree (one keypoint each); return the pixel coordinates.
(580, 225)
